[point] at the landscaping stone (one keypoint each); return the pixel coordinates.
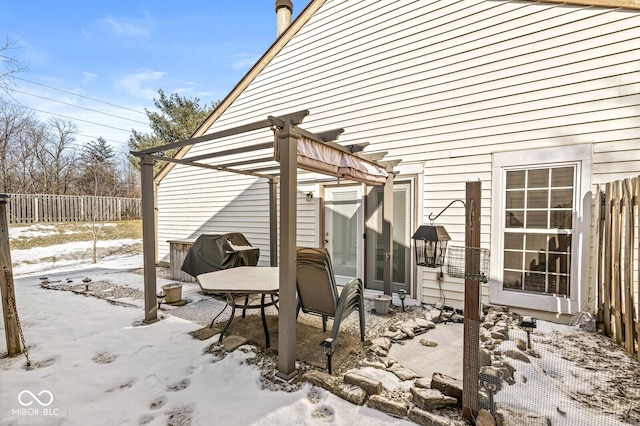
(374, 364)
(485, 418)
(321, 379)
(428, 399)
(393, 335)
(394, 408)
(231, 343)
(353, 394)
(425, 323)
(402, 373)
(381, 344)
(484, 357)
(448, 385)
(521, 344)
(370, 386)
(426, 418)
(408, 332)
(505, 369)
(428, 343)
(500, 333)
(422, 382)
(517, 355)
(507, 417)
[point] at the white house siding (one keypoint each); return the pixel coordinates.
(444, 82)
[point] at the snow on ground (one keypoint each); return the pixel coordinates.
(93, 363)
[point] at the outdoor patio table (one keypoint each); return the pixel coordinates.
(243, 281)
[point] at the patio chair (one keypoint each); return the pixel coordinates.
(318, 293)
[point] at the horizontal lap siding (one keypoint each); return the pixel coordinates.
(445, 83)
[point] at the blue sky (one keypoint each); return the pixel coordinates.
(117, 54)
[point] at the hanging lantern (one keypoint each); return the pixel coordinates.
(431, 245)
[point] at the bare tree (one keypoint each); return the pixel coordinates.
(63, 158)
(9, 65)
(14, 122)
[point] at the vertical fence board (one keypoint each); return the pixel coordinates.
(33, 208)
(616, 255)
(599, 261)
(618, 272)
(607, 260)
(627, 284)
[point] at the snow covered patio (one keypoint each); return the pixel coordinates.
(102, 365)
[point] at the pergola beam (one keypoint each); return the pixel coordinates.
(187, 162)
(234, 151)
(294, 117)
(262, 124)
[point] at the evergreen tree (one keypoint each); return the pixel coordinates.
(176, 120)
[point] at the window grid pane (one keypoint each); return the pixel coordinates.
(538, 228)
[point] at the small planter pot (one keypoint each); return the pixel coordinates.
(172, 293)
(382, 303)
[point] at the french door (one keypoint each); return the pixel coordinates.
(344, 230)
(402, 227)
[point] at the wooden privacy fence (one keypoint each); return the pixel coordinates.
(31, 208)
(618, 263)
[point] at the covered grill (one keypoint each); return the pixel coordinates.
(221, 251)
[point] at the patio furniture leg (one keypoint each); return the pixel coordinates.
(264, 322)
(246, 302)
(233, 312)
(216, 317)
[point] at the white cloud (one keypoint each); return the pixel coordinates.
(243, 61)
(137, 84)
(127, 27)
(88, 77)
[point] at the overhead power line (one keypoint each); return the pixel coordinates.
(78, 106)
(67, 117)
(79, 95)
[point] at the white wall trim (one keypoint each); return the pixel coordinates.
(581, 156)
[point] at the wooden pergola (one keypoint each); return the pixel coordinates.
(322, 155)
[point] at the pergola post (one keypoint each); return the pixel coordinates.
(273, 222)
(149, 240)
(387, 234)
(288, 209)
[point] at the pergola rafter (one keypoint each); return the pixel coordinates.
(326, 157)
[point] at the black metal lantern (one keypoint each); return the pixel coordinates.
(431, 245)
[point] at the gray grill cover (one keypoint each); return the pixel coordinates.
(215, 252)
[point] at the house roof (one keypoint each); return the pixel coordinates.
(291, 31)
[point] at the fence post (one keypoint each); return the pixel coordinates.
(471, 305)
(12, 333)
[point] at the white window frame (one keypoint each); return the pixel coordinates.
(580, 156)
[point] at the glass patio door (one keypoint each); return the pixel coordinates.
(402, 224)
(344, 217)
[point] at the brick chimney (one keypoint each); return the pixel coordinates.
(284, 8)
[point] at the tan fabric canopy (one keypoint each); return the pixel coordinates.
(323, 158)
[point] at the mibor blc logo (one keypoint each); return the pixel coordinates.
(35, 404)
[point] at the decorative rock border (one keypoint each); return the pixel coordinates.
(434, 401)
